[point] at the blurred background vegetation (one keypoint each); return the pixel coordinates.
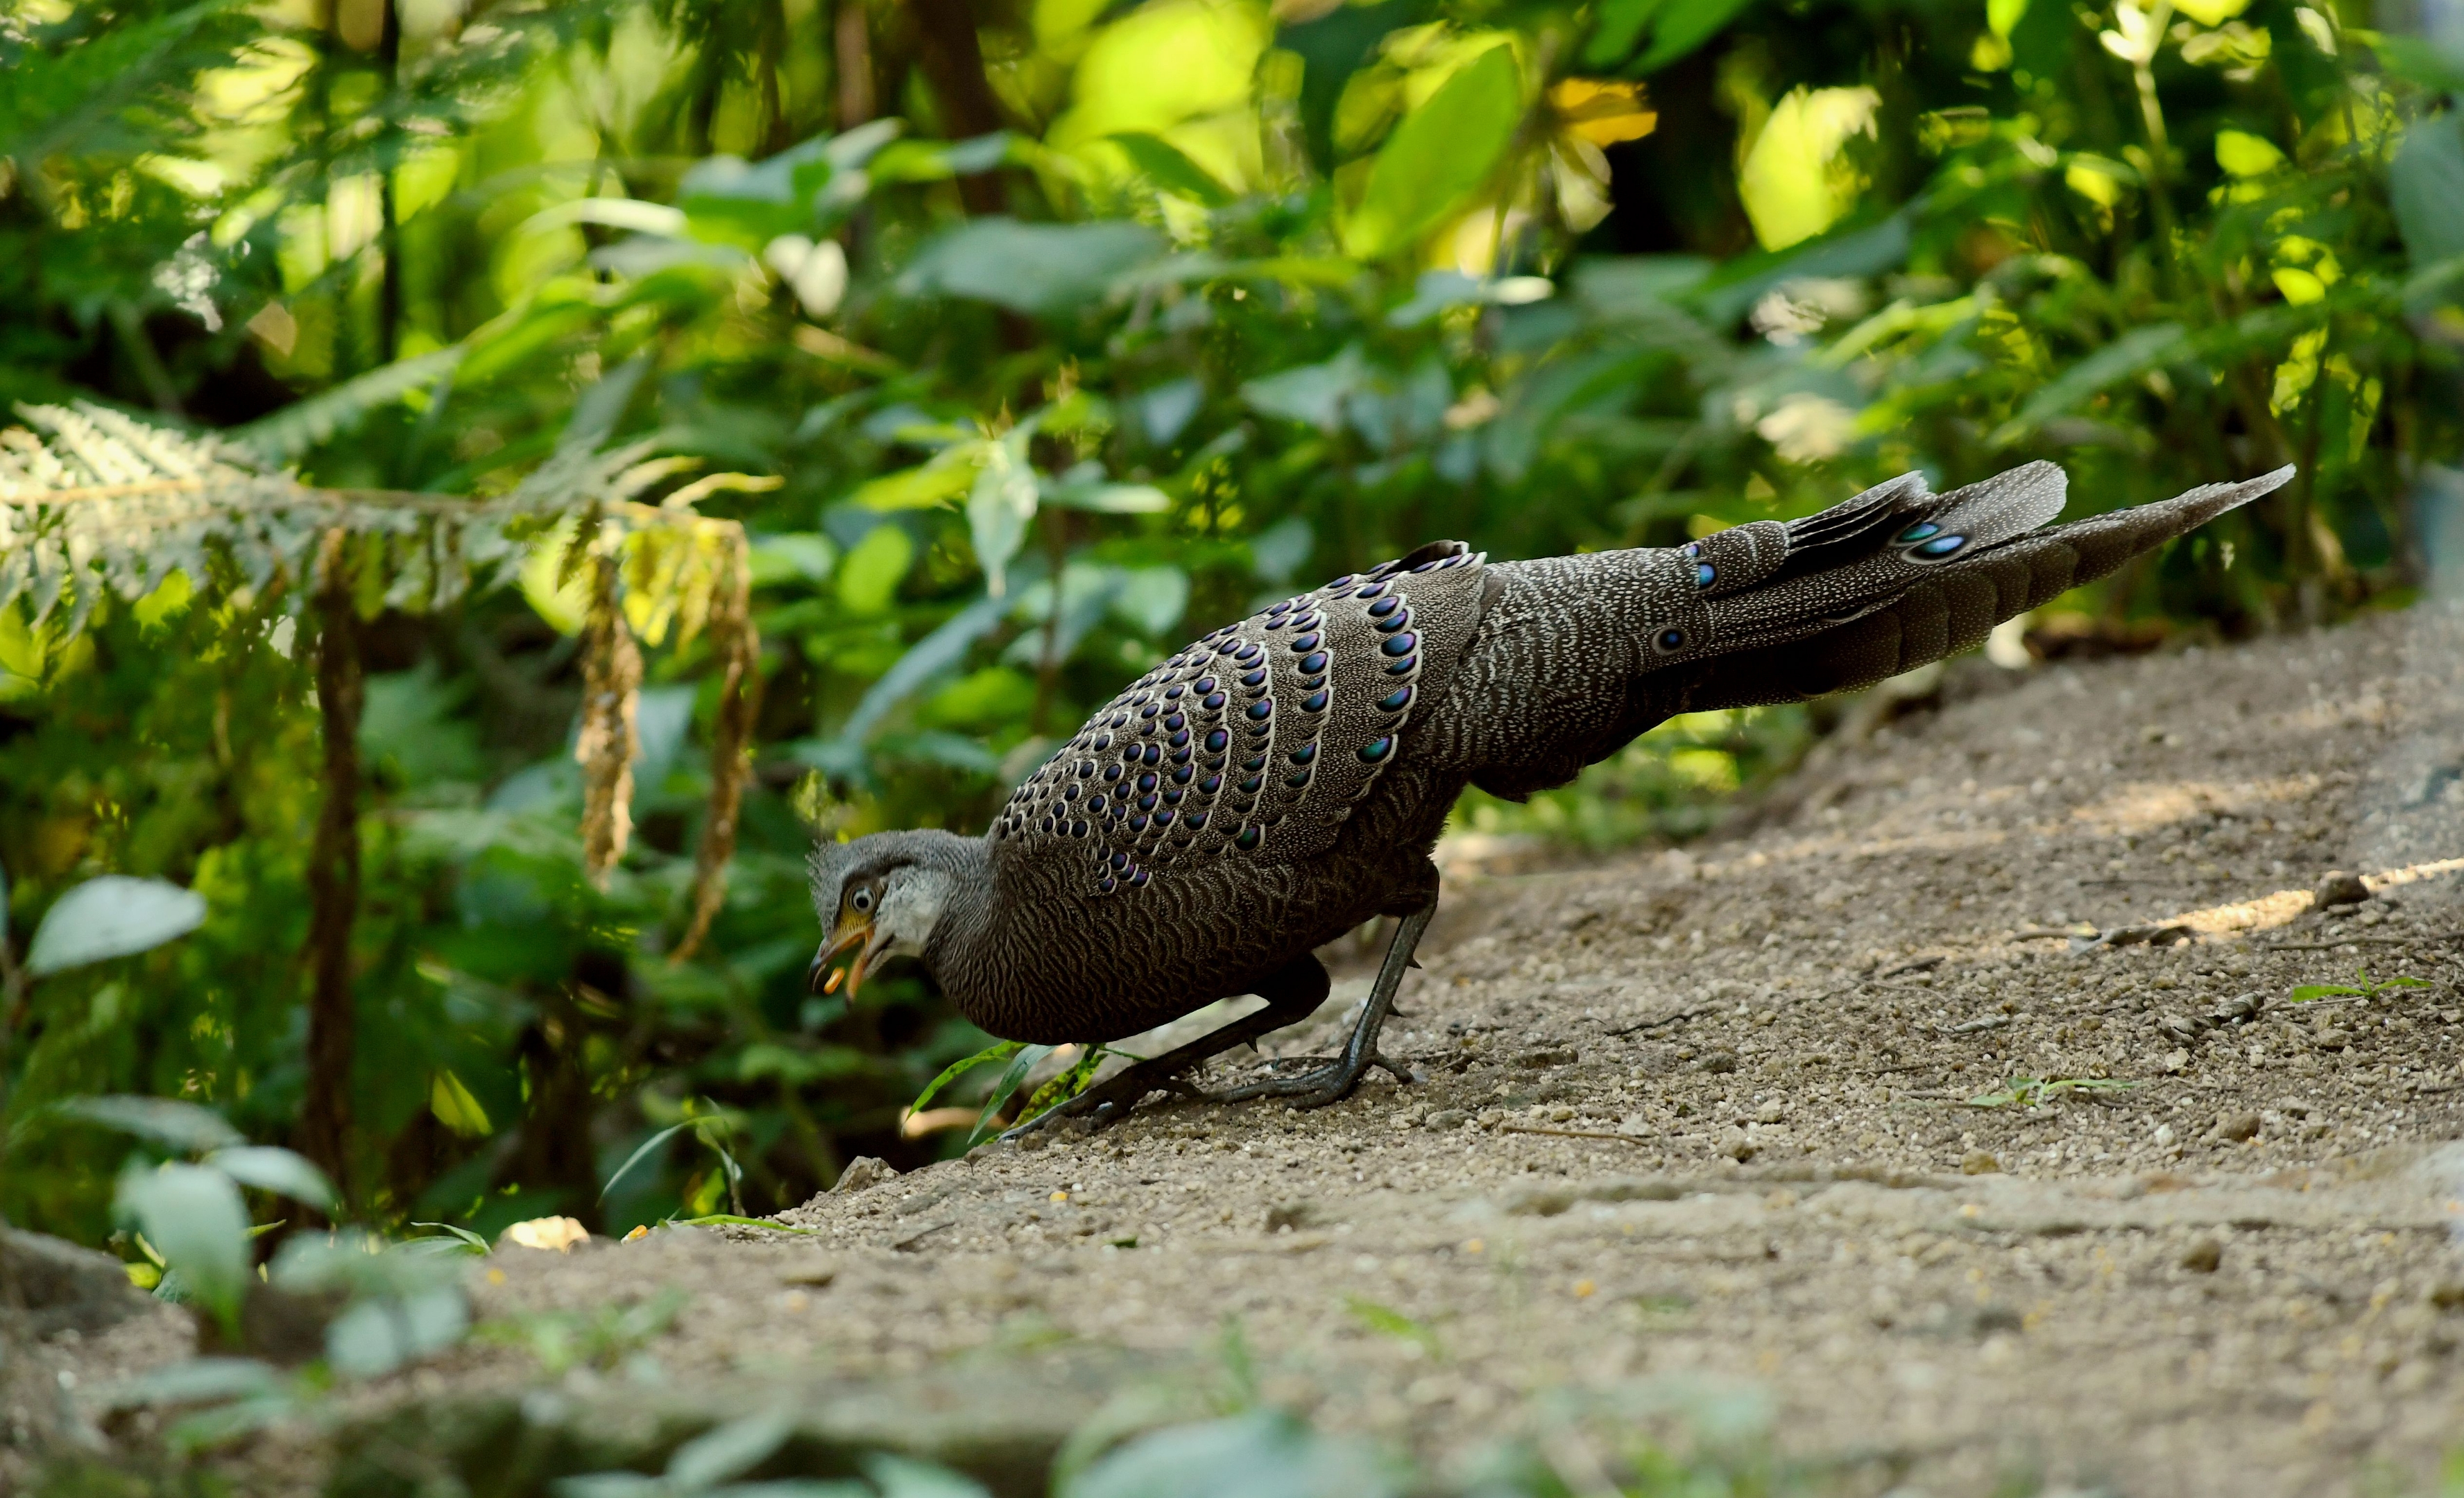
(1025, 339)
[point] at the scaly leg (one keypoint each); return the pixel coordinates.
(1334, 1082)
(1292, 994)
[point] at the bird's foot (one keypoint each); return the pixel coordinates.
(1330, 1082)
(1109, 1101)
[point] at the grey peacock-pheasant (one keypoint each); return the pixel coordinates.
(1284, 779)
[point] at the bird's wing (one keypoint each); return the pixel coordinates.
(1257, 740)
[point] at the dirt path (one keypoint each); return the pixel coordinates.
(1698, 1123)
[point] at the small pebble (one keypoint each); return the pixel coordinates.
(2338, 888)
(2204, 1256)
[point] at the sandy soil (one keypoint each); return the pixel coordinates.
(1702, 1121)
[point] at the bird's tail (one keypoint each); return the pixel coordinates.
(1579, 654)
(1894, 579)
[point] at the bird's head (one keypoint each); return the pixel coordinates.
(880, 896)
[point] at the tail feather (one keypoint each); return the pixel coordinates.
(1955, 606)
(1877, 551)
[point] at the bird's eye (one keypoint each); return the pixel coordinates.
(862, 900)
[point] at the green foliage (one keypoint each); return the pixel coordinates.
(1177, 310)
(2037, 1091)
(2363, 987)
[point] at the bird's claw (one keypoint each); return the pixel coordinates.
(1329, 1082)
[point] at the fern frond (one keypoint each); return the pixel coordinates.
(94, 502)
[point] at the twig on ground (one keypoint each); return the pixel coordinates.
(1573, 1133)
(2359, 941)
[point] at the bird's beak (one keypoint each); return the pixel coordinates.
(854, 934)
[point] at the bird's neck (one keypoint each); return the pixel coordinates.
(969, 919)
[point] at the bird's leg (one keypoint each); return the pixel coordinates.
(1334, 1082)
(1292, 994)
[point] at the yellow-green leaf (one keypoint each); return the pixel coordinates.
(2246, 155)
(1442, 153)
(943, 479)
(453, 1106)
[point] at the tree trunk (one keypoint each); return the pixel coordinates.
(854, 59)
(954, 64)
(334, 876)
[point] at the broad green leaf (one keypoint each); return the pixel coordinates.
(945, 477)
(112, 917)
(1680, 26)
(1312, 393)
(166, 1121)
(1167, 167)
(1617, 31)
(729, 1451)
(1044, 270)
(193, 1216)
(1265, 1453)
(1151, 599)
(269, 1168)
(2247, 155)
(1442, 153)
(196, 1382)
(904, 1477)
(874, 567)
(801, 554)
(927, 658)
(2426, 183)
(378, 1335)
(449, 1099)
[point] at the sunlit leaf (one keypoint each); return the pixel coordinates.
(1442, 153)
(997, 1051)
(869, 578)
(1169, 167)
(110, 917)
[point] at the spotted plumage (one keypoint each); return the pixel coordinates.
(1258, 740)
(1283, 778)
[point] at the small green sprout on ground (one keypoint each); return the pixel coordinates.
(1022, 1059)
(2363, 987)
(1389, 1322)
(603, 1339)
(2034, 1092)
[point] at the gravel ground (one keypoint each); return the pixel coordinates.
(1704, 1120)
